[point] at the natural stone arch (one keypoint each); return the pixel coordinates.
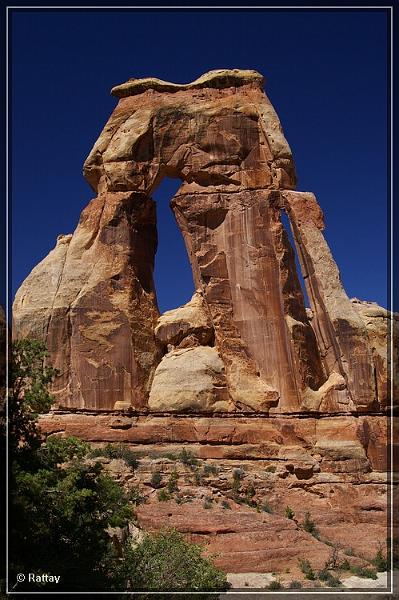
(222, 137)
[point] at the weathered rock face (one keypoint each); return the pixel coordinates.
(332, 467)
(382, 327)
(93, 299)
(190, 379)
(189, 325)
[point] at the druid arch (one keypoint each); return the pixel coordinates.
(245, 342)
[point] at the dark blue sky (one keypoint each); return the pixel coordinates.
(326, 74)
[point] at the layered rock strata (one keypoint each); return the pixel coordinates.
(245, 341)
(236, 475)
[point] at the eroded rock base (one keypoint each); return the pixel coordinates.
(236, 481)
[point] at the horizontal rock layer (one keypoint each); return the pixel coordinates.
(339, 444)
(334, 468)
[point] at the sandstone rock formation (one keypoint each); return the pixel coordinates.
(333, 467)
(245, 340)
(186, 326)
(383, 332)
(190, 379)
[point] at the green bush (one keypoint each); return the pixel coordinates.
(226, 505)
(295, 585)
(169, 455)
(156, 480)
(249, 502)
(60, 506)
(266, 507)
(163, 496)
(251, 491)
(208, 503)
(120, 451)
(165, 562)
(309, 525)
(197, 478)
(289, 513)
(135, 497)
(58, 450)
(380, 562)
(274, 585)
(270, 469)
(333, 581)
(328, 578)
(172, 483)
(364, 572)
(27, 397)
(59, 518)
(344, 565)
(306, 569)
(210, 470)
(236, 486)
(187, 458)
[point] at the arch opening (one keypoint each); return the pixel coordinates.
(287, 226)
(173, 276)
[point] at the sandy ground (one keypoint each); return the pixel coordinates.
(259, 581)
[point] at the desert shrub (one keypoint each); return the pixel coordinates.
(251, 491)
(236, 486)
(334, 581)
(163, 496)
(135, 497)
(270, 469)
(306, 569)
(333, 560)
(209, 470)
(166, 562)
(226, 505)
(197, 478)
(266, 507)
(328, 578)
(349, 552)
(170, 456)
(187, 458)
(364, 572)
(309, 525)
(274, 585)
(120, 451)
(344, 565)
(380, 562)
(295, 585)
(57, 450)
(238, 474)
(289, 513)
(172, 483)
(208, 503)
(323, 574)
(156, 479)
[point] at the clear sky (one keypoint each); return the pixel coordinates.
(326, 75)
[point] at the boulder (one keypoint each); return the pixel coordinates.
(190, 320)
(191, 379)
